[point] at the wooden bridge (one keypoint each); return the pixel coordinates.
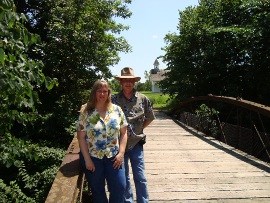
(182, 165)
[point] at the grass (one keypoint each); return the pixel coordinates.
(160, 101)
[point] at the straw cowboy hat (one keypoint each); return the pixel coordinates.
(127, 72)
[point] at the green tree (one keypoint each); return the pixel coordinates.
(139, 86)
(79, 46)
(222, 49)
(21, 78)
(148, 83)
(115, 85)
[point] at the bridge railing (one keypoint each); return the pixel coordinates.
(69, 181)
(239, 123)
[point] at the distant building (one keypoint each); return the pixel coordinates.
(156, 76)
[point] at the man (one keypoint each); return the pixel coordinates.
(139, 113)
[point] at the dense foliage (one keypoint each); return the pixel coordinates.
(27, 170)
(20, 77)
(115, 85)
(51, 52)
(79, 46)
(222, 48)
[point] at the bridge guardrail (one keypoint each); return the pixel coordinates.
(69, 180)
(247, 128)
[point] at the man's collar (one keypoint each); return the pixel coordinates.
(134, 94)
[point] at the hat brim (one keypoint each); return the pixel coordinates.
(122, 77)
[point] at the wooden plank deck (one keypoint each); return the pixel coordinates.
(185, 166)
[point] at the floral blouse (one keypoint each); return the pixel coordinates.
(102, 135)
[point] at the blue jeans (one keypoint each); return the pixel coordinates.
(116, 180)
(136, 157)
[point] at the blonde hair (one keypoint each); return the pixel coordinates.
(92, 101)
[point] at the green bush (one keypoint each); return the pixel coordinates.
(27, 170)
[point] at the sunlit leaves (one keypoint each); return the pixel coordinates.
(6, 4)
(222, 48)
(15, 150)
(20, 76)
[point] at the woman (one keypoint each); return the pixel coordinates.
(102, 136)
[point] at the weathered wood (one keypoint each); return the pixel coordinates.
(67, 182)
(183, 165)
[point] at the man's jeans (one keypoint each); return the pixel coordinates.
(115, 178)
(136, 158)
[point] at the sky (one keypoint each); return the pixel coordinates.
(150, 22)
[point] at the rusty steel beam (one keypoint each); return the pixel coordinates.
(256, 107)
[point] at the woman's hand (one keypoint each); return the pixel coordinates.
(84, 150)
(118, 161)
(90, 165)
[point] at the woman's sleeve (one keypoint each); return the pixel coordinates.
(81, 123)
